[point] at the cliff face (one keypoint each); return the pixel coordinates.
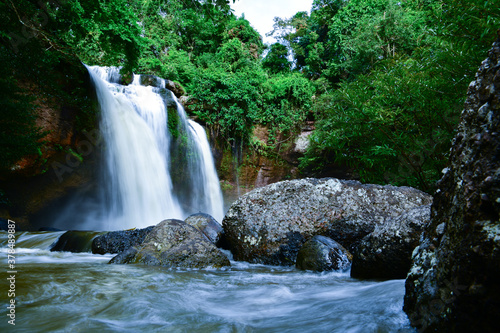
(454, 284)
(67, 113)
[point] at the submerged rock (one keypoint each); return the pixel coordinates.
(269, 224)
(386, 252)
(207, 225)
(118, 241)
(454, 283)
(75, 241)
(323, 254)
(174, 244)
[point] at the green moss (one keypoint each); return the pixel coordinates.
(173, 121)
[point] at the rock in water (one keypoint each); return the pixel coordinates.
(207, 225)
(174, 243)
(269, 225)
(118, 241)
(323, 254)
(454, 283)
(75, 241)
(386, 252)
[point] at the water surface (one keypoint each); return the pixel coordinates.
(80, 292)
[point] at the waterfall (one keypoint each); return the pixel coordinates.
(151, 173)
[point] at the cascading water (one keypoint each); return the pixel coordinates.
(151, 174)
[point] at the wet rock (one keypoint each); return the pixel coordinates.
(175, 87)
(454, 283)
(118, 241)
(323, 254)
(259, 225)
(125, 257)
(150, 80)
(155, 81)
(207, 225)
(75, 241)
(174, 244)
(386, 252)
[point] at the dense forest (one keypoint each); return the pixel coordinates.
(384, 80)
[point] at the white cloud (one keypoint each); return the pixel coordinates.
(261, 13)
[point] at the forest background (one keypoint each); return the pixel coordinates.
(383, 80)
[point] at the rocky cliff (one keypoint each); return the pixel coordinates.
(454, 284)
(66, 110)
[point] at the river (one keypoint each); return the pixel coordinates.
(81, 292)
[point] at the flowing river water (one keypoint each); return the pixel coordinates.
(81, 292)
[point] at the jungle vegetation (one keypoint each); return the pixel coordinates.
(384, 80)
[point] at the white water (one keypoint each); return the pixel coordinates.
(137, 185)
(205, 173)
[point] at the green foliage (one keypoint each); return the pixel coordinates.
(276, 60)
(227, 90)
(344, 38)
(393, 120)
(38, 42)
(392, 125)
(287, 101)
(18, 132)
(173, 122)
(385, 79)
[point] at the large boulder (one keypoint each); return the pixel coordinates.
(386, 252)
(118, 241)
(269, 225)
(174, 244)
(321, 254)
(454, 283)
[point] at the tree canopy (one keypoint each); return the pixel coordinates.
(385, 80)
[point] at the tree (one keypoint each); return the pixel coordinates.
(393, 120)
(276, 60)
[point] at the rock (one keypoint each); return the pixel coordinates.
(173, 243)
(269, 224)
(150, 80)
(118, 241)
(155, 81)
(125, 257)
(175, 87)
(207, 225)
(386, 252)
(75, 241)
(39, 185)
(323, 254)
(454, 283)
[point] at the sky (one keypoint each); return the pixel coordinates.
(260, 13)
